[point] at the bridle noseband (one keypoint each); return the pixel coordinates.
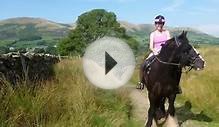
(194, 59)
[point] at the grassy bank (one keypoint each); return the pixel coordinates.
(201, 87)
(67, 100)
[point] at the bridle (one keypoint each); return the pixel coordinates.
(194, 59)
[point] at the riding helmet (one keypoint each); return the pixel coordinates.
(159, 19)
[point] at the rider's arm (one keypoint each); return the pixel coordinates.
(168, 34)
(152, 41)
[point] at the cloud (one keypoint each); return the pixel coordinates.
(126, 1)
(203, 11)
(174, 5)
(212, 29)
(119, 1)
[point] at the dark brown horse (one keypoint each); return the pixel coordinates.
(165, 72)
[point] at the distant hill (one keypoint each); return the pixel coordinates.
(142, 31)
(25, 32)
(30, 32)
(13, 28)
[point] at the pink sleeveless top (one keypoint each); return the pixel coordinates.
(159, 39)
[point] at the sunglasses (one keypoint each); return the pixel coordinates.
(162, 23)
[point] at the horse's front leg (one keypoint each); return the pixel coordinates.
(162, 107)
(171, 108)
(151, 111)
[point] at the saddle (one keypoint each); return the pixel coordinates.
(147, 63)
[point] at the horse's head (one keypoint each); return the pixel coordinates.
(187, 54)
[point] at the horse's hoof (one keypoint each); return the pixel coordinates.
(161, 121)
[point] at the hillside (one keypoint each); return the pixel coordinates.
(13, 28)
(142, 31)
(27, 32)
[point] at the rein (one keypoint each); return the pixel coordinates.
(168, 63)
(174, 64)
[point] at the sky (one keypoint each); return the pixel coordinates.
(199, 14)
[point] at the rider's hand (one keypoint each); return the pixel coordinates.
(155, 53)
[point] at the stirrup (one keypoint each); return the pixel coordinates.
(140, 86)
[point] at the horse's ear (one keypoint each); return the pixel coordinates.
(185, 33)
(181, 35)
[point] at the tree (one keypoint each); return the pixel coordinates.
(90, 27)
(51, 50)
(4, 50)
(73, 44)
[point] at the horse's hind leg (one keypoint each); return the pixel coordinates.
(171, 121)
(161, 109)
(151, 111)
(171, 108)
(162, 104)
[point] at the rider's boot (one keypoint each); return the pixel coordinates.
(140, 84)
(144, 66)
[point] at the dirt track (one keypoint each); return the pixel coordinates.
(141, 104)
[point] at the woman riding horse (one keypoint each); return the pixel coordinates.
(166, 68)
(157, 38)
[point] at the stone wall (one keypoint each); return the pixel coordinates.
(31, 67)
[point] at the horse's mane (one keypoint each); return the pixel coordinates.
(171, 44)
(168, 47)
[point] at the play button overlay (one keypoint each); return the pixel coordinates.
(108, 63)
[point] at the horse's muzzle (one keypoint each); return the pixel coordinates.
(199, 64)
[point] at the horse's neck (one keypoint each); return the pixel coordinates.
(167, 55)
(169, 69)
